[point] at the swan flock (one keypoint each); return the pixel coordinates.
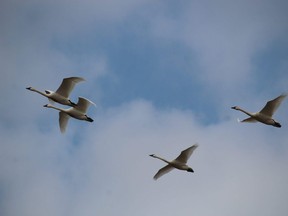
(79, 111)
(61, 95)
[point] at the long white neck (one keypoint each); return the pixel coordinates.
(39, 92)
(244, 111)
(155, 156)
(56, 108)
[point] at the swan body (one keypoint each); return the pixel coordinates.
(78, 112)
(61, 95)
(265, 115)
(178, 163)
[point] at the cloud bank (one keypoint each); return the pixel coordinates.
(164, 75)
(238, 169)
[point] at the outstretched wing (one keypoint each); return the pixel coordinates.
(67, 85)
(63, 120)
(249, 120)
(271, 106)
(185, 155)
(163, 171)
(83, 104)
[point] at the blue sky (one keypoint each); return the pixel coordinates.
(164, 75)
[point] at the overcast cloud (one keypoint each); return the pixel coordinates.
(164, 75)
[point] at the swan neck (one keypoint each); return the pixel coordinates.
(246, 112)
(56, 108)
(39, 92)
(161, 159)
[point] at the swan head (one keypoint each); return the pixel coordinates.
(152, 155)
(29, 88)
(235, 107)
(47, 105)
(190, 170)
(48, 92)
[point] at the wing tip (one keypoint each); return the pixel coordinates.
(80, 79)
(76, 79)
(283, 95)
(91, 102)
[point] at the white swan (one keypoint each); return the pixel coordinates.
(265, 115)
(78, 112)
(178, 163)
(62, 93)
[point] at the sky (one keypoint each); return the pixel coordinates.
(164, 75)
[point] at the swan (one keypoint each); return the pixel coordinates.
(78, 112)
(265, 115)
(178, 163)
(62, 93)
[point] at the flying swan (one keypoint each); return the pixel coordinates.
(62, 93)
(78, 112)
(178, 163)
(265, 115)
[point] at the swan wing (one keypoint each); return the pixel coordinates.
(83, 104)
(271, 106)
(250, 120)
(63, 120)
(67, 85)
(185, 155)
(163, 171)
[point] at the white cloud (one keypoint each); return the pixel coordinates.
(225, 35)
(103, 168)
(109, 171)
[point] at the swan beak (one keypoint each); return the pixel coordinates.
(151, 155)
(46, 105)
(28, 88)
(234, 107)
